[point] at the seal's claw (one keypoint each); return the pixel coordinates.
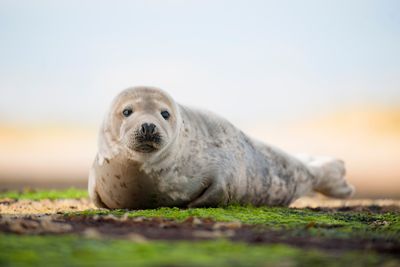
(211, 197)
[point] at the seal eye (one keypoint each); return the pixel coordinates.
(165, 114)
(127, 112)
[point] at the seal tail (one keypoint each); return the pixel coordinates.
(329, 174)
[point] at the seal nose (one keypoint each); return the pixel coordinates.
(148, 128)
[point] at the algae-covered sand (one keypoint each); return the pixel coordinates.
(61, 227)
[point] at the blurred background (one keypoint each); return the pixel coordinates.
(320, 77)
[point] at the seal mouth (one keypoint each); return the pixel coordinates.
(147, 143)
(145, 148)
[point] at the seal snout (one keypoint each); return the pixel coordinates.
(147, 138)
(148, 132)
(148, 128)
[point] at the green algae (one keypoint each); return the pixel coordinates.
(68, 250)
(322, 223)
(33, 194)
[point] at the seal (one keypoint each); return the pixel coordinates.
(154, 152)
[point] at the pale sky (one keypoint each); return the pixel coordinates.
(250, 61)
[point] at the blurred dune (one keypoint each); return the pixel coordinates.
(367, 138)
(45, 155)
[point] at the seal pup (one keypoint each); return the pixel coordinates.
(154, 152)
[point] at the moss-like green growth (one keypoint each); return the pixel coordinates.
(298, 221)
(322, 223)
(33, 194)
(76, 251)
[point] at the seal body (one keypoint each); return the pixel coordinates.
(202, 161)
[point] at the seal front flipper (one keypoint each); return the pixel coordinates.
(94, 196)
(98, 202)
(211, 196)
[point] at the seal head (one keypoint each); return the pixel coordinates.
(141, 122)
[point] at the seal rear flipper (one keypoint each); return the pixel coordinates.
(329, 176)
